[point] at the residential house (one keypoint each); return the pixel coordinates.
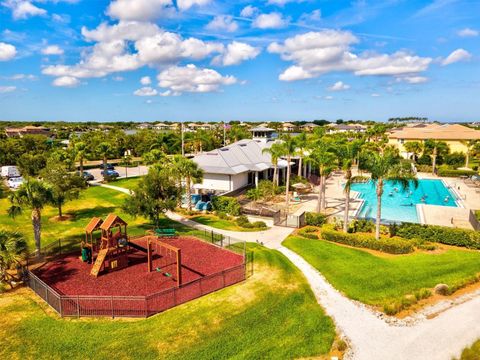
(28, 130)
(288, 127)
(309, 127)
(343, 128)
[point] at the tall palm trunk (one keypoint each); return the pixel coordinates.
(319, 202)
(300, 167)
(287, 191)
(434, 160)
(81, 166)
(467, 158)
(275, 175)
(324, 187)
(379, 207)
(37, 229)
(348, 177)
(189, 193)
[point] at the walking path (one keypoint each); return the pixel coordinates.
(369, 336)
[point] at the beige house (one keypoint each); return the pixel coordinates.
(288, 127)
(456, 136)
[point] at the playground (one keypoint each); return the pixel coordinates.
(155, 271)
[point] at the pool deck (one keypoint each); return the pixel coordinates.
(429, 214)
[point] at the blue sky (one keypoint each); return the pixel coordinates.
(210, 60)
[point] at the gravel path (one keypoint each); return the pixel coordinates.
(371, 337)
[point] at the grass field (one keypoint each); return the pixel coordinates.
(471, 353)
(216, 222)
(272, 315)
(94, 201)
(129, 183)
(376, 279)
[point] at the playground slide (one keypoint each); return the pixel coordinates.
(138, 247)
(102, 254)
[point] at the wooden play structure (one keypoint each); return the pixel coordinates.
(113, 246)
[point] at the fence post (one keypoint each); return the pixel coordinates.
(78, 306)
(212, 236)
(60, 299)
(111, 303)
(46, 295)
(174, 296)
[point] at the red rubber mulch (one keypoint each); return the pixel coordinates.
(70, 276)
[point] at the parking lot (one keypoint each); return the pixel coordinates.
(122, 171)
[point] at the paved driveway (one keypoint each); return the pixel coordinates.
(124, 172)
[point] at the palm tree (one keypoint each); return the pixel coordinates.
(385, 167)
(154, 156)
(348, 153)
(104, 149)
(470, 145)
(13, 249)
(34, 195)
(276, 152)
(301, 140)
(80, 149)
(413, 147)
(188, 170)
(324, 159)
(288, 146)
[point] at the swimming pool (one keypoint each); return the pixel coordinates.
(400, 205)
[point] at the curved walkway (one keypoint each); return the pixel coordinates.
(370, 337)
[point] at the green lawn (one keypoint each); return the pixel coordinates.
(375, 280)
(216, 222)
(129, 183)
(471, 353)
(273, 315)
(94, 201)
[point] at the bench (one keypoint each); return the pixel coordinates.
(166, 232)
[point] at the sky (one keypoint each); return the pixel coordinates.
(212, 60)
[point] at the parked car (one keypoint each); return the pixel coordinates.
(10, 172)
(14, 183)
(86, 176)
(107, 166)
(110, 173)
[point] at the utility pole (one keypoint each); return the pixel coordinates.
(224, 134)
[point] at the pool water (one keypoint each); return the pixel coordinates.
(400, 205)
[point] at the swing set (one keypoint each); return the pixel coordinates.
(168, 257)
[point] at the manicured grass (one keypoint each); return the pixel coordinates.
(273, 315)
(94, 201)
(373, 279)
(216, 222)
(129, 183)
(471, 353)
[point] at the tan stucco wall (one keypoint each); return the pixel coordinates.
(454, 145)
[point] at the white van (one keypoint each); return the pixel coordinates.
(10, 172)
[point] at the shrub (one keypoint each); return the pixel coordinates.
(424, 160)
(446, 172)
(226, 204)
(221, 215)
(388, 245)
(424, 168)
(439, 234)
(315, 219)
(242, 221)
(259, 225)
(309, 232)
(362, 225)
(456, 159)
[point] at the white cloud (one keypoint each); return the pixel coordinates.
(223, 22)
(375, 95)
(315, 15)
(7, 51)
(179, 79)
(249, 11)
(23, 77)
(278, 2)
(467, 32)
(339, 86)
(412, 79)
(235, 53)
(128, 46)
(66, 81)
(23, 9)
(140, 10)
(118, 78)
(52, 50)
(273, 20)
(317, 53)
(145, 80)
(146, 91)
(187, 4)
(7, 89)
(329, 97)
(456, 56)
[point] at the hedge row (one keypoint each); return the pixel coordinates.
(444, 235)
(454, 173)
(388, 245)
(309, 232)
(226, 204)
(315, 219)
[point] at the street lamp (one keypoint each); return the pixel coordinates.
(127, 156)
